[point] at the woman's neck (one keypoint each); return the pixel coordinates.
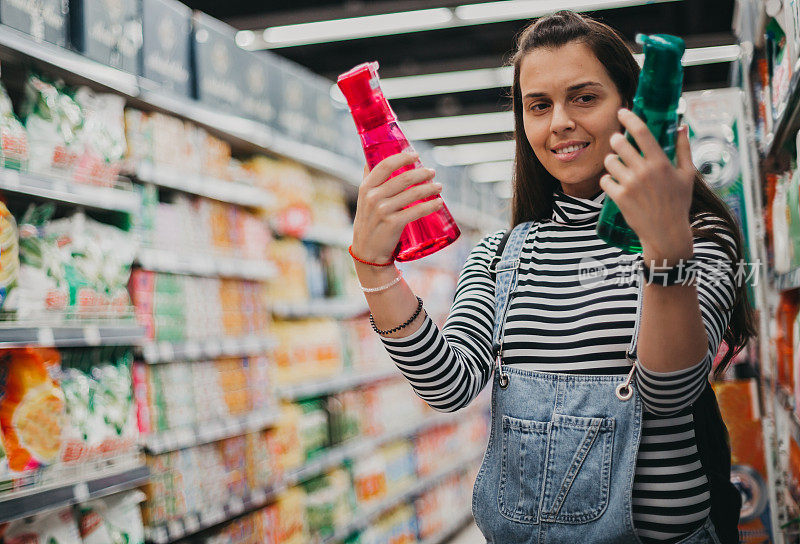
(588, 189)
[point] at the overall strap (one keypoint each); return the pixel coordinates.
(505, 266)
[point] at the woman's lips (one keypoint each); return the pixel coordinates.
(567, 157)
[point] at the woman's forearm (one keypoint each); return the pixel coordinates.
(393, 306)
(672, 335)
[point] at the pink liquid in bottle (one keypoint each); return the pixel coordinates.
(381, 138)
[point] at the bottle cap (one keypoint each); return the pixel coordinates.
(362, 90)
(661, 77)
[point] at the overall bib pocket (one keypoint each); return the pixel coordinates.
(555, 471)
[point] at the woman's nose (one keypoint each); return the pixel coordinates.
(561, 120)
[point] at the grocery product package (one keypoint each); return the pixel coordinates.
(113, 520)
(98, 391)
(71, 266)
(9, 253)
(57, 527)
(32, 406)
(52, 120)
(738, 403)
(13, 138)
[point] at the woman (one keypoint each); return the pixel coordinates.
(566, 459)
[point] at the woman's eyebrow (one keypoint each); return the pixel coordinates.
(571, 88)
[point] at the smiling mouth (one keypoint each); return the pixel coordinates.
(564, 151)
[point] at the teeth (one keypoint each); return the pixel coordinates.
(570, 149)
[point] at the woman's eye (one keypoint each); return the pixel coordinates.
(585, 98)
(539, 106)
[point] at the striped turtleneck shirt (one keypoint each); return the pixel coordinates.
(558, 322)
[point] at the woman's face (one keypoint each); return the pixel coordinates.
(569, 108)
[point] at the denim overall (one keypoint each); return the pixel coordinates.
(562, 450)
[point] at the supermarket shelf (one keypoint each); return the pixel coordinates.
(224, 191)
(787, 403)
(208, 431)
(364, 518)
(63, 190)
(194, 523)
(234, 506)
(196, 264)
(789, 280)
(460, 521)
(337, 308)
(335, 384)
(255, 134)
(789, 121)
(65, 60)
(24, 504)
(189, 350)
(330, 236)
(333, 457)
(466, 215)
(14, 335)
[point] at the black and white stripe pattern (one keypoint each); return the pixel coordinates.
(560, 322)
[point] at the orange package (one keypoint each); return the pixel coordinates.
(31, 407)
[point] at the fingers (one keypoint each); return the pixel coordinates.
(419, 210)
(403, 181)
(384, 169)
(413, 194)
(629, 155)
(619, 171)
(641, 134)
(612, 189)
(683, 151)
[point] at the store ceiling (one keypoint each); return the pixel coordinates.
(699, 22)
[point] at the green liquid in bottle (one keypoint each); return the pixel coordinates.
(656, 103)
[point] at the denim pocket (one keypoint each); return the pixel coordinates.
(521, 468)
(557, 471)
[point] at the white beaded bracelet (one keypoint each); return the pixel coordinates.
(383, 287)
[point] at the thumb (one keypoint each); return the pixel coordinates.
(683, 150)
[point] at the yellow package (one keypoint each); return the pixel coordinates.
(31, 407)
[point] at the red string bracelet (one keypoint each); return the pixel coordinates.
(350, 249)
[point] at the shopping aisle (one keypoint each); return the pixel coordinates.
(185, 349)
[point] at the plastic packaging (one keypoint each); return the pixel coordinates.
(656, 103)
(57, 527)
(381, 137)
(31, 407)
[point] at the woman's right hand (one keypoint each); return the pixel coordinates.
(380, 214)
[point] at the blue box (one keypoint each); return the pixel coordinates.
(108, 31)
(261, 78)
(44, 20)
(218, 81)
(166, 50)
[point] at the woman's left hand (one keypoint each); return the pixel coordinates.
(653, 195)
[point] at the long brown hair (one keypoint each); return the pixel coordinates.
(533, 185)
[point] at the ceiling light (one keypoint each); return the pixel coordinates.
(490, 172)
(490, 78)
(357, 27)
(459, 125)
(425, 19)
(710, 55)
(510, 10)
(461, 154)
(447, 82)
(245, 38)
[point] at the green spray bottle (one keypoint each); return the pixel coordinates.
(656, 103)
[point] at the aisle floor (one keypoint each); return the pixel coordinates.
(469, 535)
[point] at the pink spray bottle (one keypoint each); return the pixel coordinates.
(381, 138)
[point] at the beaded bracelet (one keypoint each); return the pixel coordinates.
(383, 287)
(350, 249)
(404, 325)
